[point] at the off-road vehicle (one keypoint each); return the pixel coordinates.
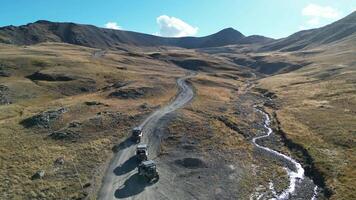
(142, 152)
(137, 134)
(148, 169)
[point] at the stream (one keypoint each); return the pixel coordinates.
(295, 175)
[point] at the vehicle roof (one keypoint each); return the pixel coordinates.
(148, 163)
(142, 146)
(136, 129)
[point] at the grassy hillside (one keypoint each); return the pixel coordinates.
(318, 111)
(77, 80)
(62, 102)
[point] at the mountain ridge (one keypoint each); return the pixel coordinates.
(330, 33)
(92, 36)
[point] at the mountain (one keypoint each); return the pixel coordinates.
(339, 30)
(91, 36)
(255, 39)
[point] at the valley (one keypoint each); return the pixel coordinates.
(225, 116)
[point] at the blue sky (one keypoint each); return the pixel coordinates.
(272, 18)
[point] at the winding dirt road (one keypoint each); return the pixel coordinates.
(121, 180)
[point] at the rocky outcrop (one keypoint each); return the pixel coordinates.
(41, 76)
(65, 134)
(4, 95)
(132, 93)
(44, 119)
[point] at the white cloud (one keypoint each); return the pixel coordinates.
(316, 14)
(317, 11)
(112, 25)
(174, 27)
(313, 21)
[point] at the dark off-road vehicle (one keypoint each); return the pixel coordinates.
(148, 170)
(142, 152)
(137, 134)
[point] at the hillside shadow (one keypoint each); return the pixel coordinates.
(126, 167)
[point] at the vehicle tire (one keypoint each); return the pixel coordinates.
(154, 179)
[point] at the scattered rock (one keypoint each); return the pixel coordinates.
(119, 84)
(144, 106)
(4, 95)
(271, 104)
(65, 134)
(93, 103)
(121, 68)
(5, 74)
(266, 93)
(191, 163)
(38, 175)
(59, 161)
(74, 124)
(129, 93)
(86, 185)
(44, 119)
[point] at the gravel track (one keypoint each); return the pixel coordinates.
(121, 180)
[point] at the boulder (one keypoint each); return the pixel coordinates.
(38, 175)
(44, 119)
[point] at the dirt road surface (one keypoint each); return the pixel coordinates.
(121, 180)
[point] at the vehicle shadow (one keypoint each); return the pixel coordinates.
(123, 145)
(127, 166)
(132, 186)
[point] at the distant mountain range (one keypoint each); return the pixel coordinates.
(92, 36)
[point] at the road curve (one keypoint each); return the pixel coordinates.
(121, 180)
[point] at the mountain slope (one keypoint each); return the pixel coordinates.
(91, 36)
(336, 31)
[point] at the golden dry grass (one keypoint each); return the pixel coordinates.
(319, 112)
(24, 151)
